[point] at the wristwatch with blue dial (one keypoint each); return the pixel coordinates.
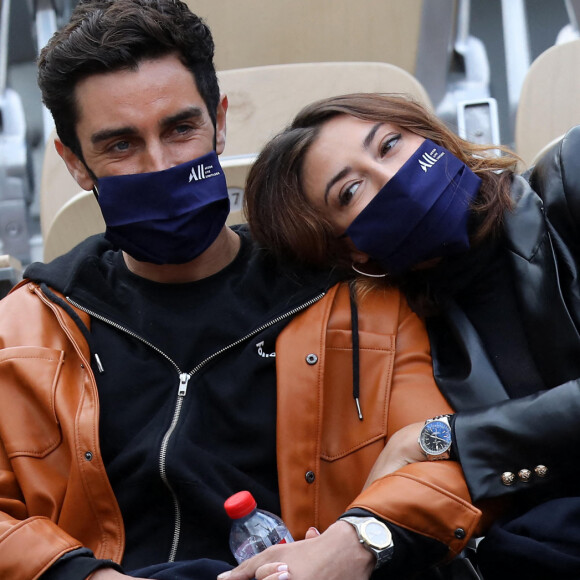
(435, 438)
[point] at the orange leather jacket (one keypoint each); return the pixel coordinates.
(54, 492)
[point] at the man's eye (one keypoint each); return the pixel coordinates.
(388, 144)
(183, 129)
(121, 146)
(347, 193)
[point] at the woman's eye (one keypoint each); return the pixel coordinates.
(347, 193)
(388, 144)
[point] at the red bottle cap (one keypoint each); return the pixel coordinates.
(240, 504)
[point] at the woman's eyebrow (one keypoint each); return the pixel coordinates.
(371, 135)
(342, 173)
(366, 144)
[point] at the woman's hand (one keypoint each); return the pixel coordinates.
(335, 554)
(279, 570)
(402, 448)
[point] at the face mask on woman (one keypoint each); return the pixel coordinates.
(169, 216)
(421, 213)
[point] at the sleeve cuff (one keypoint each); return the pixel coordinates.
(453, 449)
(77, 565)
(412, 552)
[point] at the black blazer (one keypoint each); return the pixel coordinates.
(495, 434)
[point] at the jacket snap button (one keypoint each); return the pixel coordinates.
(310, 477)
(541, 470)
(88, 456)
(460, 533)
(311, 359)
(524, 475)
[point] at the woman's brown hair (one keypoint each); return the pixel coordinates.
(282, 218)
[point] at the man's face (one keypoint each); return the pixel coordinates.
(141, 121)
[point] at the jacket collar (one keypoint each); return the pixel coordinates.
(545, 279)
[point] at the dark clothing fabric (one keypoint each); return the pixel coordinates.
(202, 569)
(527, 356)
(164, 331)
(407, 549)
(541, 543)
(218, 446)
(495, 433)
(189, 453)
(77, 564)
(478, 283)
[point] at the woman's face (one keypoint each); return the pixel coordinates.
(350, 161)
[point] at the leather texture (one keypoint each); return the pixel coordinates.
(319, 430)
(493, 433)
(54, 491)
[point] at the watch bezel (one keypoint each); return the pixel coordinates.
(442, 453)
(360, 523)
(370, 541)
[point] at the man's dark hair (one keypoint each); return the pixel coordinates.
(110, 35)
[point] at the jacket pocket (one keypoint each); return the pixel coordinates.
(343, 431)
(28, 378)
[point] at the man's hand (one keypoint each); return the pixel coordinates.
(402, 448)
(335, 554)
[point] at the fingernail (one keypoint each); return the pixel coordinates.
(313, 529)
(223, 575)
(284, 576)
(283, 568)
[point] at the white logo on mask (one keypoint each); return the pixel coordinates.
(427, 160)
(203, 172)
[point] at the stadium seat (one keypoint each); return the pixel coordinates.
(549, 103)
(263, 100)
(250, 33)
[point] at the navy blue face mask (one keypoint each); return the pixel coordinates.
(166, 217)
(421, 213)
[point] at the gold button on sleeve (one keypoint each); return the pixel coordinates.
(508, 478)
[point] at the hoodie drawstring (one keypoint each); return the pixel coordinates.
(355, 350)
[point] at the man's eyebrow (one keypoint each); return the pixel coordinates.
(185, 115)
(342, 173)
(105, 134)
(369, 138)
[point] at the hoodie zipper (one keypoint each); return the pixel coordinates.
(184, 379)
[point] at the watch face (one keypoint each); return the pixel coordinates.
(376, 534)
(435, 437)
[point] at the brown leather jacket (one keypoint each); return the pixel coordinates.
(54, 491)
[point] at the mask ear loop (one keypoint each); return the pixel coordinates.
(367, 274)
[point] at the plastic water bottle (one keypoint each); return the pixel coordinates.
(253, 530)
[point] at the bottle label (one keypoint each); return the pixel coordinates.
(252, 546)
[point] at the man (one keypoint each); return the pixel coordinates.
(138, 372)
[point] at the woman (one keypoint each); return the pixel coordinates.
(487, 257)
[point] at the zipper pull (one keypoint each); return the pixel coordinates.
(183, 380)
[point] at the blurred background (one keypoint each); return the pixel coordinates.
(473, 58)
